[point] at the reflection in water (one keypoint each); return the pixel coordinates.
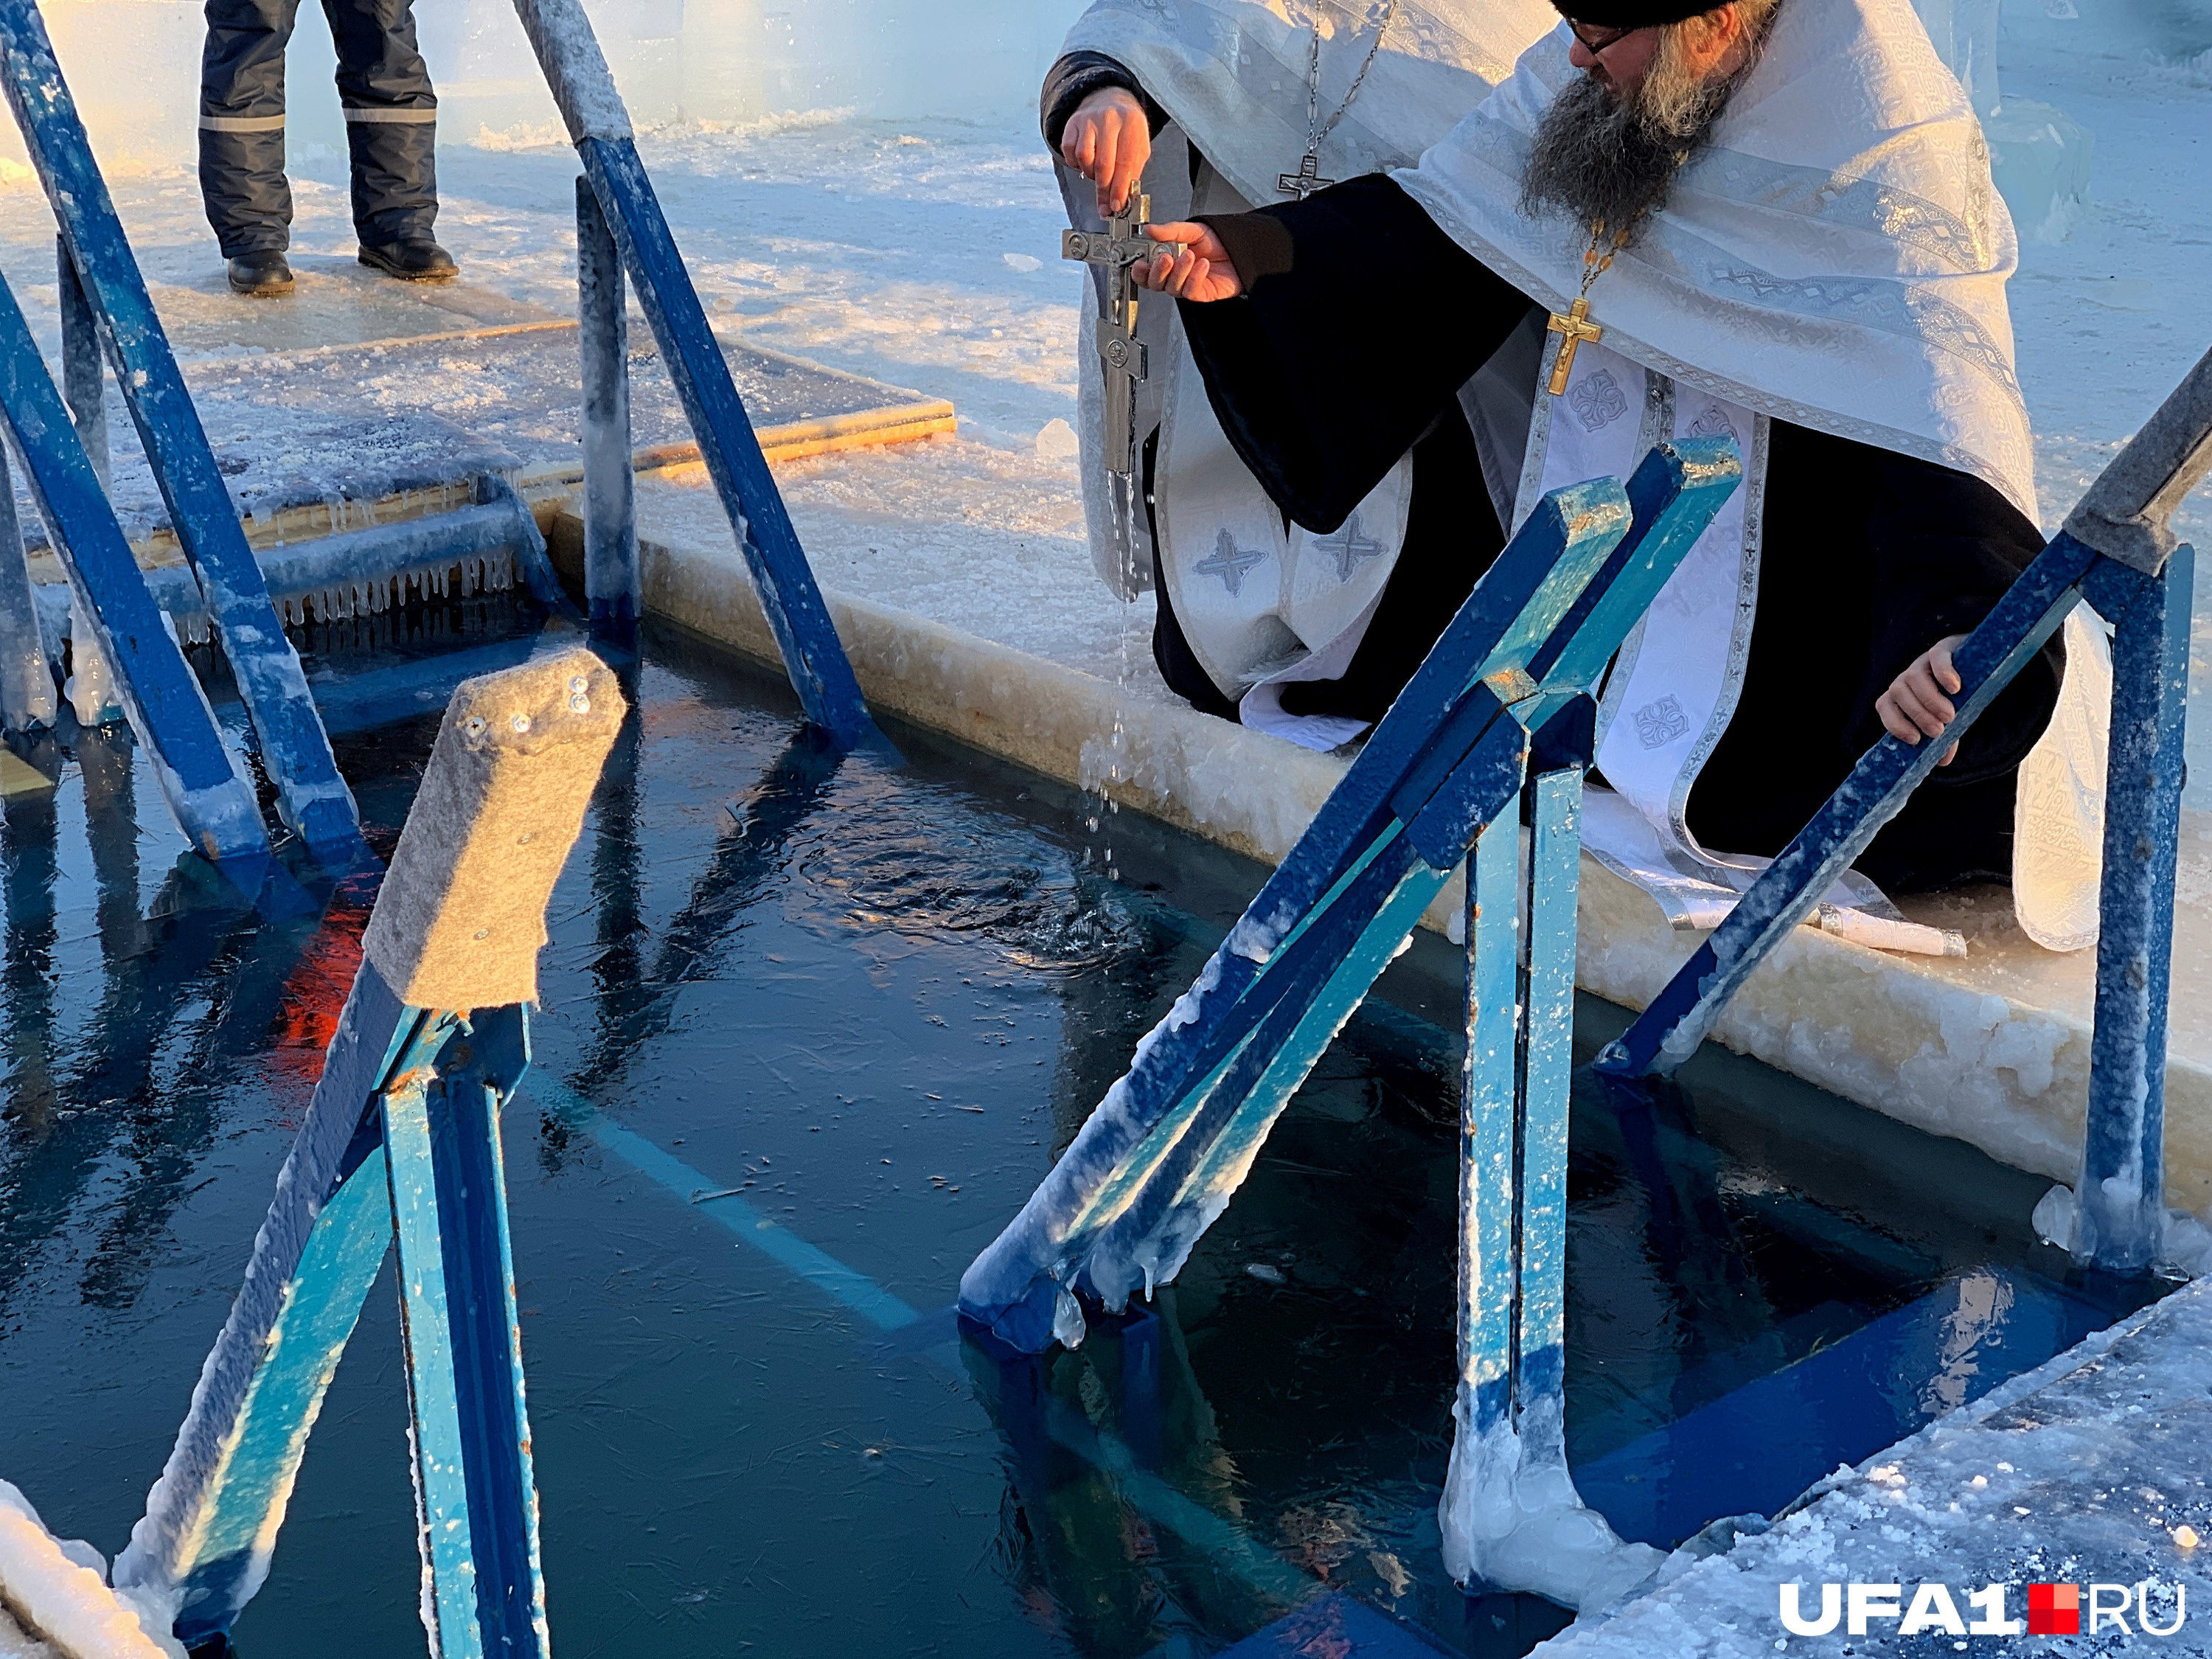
(635, 1000)
(617, 865)
(1985, 1300)
(1090, 1563)
(103, 755)
(185, 991)
(1695, 1281)
(28, 824)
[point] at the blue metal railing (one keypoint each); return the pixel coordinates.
(400, 1148)
(2119, 552)
(101, 287)
(203, 783)
(621, 230)
(1505, 687)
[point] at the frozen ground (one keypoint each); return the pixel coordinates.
(2106, 320)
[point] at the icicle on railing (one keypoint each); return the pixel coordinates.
(495, 572)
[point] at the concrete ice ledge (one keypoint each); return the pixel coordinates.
(1993, 1049)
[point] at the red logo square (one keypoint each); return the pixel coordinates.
(2054, 1609)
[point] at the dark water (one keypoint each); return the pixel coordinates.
(875, 1002)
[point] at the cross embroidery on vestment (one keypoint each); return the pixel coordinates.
(1229, 561)
(1348, 547)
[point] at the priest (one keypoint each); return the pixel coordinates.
(1216, 106)
(1774, 222)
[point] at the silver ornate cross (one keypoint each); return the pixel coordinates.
(1120, 247)
(1305, 181)
(1229, 561)
(1348, 547)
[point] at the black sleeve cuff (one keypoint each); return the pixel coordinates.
(1259, 244)
(1074, 78)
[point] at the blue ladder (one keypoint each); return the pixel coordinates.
(2117, 551)
(401, 1145)
(102, 280)
(620, 227)
(1506, 686)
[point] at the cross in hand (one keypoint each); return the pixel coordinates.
(1120, 247)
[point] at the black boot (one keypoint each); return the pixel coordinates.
(411, 258)
(260, 275)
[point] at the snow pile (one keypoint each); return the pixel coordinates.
(54, 1599)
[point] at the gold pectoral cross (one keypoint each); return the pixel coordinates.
(1572, 329)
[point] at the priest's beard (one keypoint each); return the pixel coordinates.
(1601, 160)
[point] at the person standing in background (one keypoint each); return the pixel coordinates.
(391, 116)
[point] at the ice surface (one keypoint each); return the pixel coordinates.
(57, 1590)
(2040, 157)
(2086, 1470)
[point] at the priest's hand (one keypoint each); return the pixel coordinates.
(1108, 140)
(1918, 701)
(1200, 272)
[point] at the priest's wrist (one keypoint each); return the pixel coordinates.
(1111, 96)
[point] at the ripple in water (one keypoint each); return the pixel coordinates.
(910, 863)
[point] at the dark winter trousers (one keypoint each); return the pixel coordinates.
(391, 121)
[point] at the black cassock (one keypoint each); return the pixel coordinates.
(1360, 321)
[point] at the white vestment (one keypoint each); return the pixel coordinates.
(1262, 602)
(1835, 257)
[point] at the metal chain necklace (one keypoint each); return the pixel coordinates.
(1308, 180)
(1573, 326)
